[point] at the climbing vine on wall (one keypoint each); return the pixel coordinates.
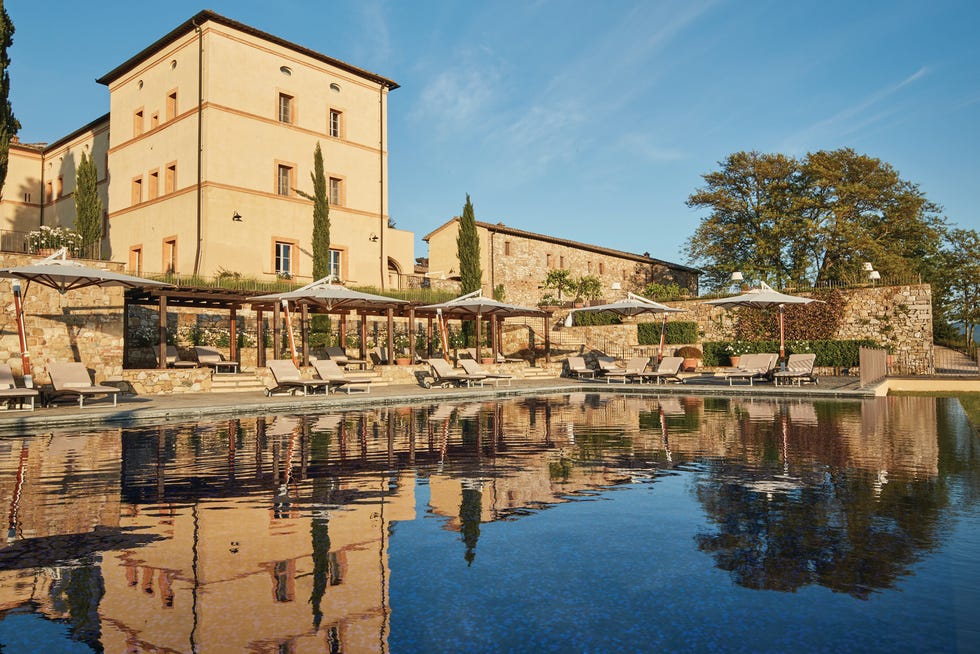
(814, 321)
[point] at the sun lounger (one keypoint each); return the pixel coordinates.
(211, 358)
(752, 367)
(799, 368)
(577, 368)
(174, 360)
(330, 371)
(445, 375)
(339, 356)
(471, 367)
(633, 368)
(11, 394)
(70, 378)
(667, 370)
(289, 378)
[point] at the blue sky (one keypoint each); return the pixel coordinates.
(588, 121)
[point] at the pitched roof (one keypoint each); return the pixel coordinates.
(209, 16)
(501, 228)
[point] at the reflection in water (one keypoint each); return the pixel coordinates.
(278, 534)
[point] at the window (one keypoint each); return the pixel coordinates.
(60, 188)
(49, 191)
(136, 259)
(335, 123)
(172, 105)
(285, 108)
(284, 179)
(138, 122)
(170, 179)
(507, 248)
(284, 259)
(27, 198)
(170, 255)
(602, 268)
(333, 267)
(561, 261)
(137, 190)
(336, 191)
(154, 119)
(549, 261)
(154, 185)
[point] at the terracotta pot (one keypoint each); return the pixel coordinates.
(691, 364)
(735, 359)
(486, 360)
(402, 361)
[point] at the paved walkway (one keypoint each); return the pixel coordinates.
(189, 406)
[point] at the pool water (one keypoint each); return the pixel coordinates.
(589, 522)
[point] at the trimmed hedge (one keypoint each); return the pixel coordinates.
(587, 318)
(648, 333)
(830, 354)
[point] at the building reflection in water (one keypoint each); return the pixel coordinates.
(272, 534)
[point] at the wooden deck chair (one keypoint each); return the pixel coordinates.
(472, 367)
(329, 370)
(576, 367)
(799, 369)
(445, 375)
(210, 357)
(289, 378)
(11, 394)
(667, 370)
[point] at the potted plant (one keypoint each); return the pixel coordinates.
(691, 355)
(401, 350)
(735, 350)
(48, 240)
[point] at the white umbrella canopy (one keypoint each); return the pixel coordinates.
(65, 275)
(633, 305)
(331, 297)
(764, 297)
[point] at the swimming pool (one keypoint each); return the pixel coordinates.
(577, 522)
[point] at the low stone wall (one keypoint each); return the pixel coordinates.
(167, 382)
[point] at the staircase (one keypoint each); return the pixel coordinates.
(236, 383)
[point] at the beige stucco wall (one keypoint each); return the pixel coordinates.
(20, 206)
(243, 145)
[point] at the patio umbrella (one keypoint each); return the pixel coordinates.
(633, 305)
(329, 296)
(62, 275)
(764, 297)
(475, 305)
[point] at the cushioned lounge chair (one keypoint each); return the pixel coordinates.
(71, 379)
(339, 356)
(578, 368)
(289, 378)
(667, 370)
(471, 367)
(213, 359)
(174, 360)
(630, 372)
(445, 375)
(799, 369)
(11, 394)
(329, 371)
(752, 367)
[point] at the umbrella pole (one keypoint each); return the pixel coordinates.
(479, 354)
(25, 356)
(443, 336)
(782, 339)
(663, 337)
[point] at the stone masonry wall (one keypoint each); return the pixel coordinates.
(83, 325)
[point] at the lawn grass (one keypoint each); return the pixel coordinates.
(970, 402)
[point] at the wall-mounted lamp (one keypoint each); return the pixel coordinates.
(868, 267)
(373, 238)
(737, 276)
(237, 217)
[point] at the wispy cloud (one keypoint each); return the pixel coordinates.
(852, 119)
(459, 98)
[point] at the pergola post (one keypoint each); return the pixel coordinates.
(342, 331)
(276, 331)
(363, 356)
(233, 334)
(494, 335)
(411, 333)
(161, 333)
(547, 338)
(428, 339)
(260, 338)
(391, 336)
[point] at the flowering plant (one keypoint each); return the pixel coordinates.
(737, 348)
(53, 237)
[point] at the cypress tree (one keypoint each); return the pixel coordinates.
(321, 217)
(468, 250)
(88, 207)
(8, 123)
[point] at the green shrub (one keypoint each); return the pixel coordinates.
(587, 318)
(648, 333)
